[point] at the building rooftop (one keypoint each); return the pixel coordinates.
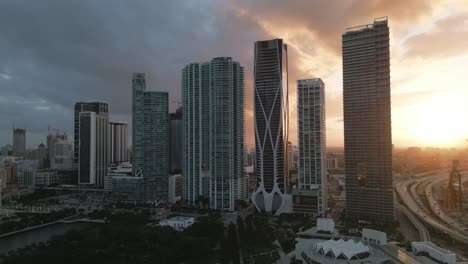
(380, 20)
(180, 218)
(433, 246)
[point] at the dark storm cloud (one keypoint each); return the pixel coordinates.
(55, 53)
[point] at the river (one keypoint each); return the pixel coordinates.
(42, 234)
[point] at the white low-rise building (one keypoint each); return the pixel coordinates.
(325, 225)
(179, 223)
(374, 236)
(434, 251)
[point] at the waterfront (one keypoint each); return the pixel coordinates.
(42, 234)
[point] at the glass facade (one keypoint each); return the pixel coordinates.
(271, 125)
(150, 138)
(367, 123)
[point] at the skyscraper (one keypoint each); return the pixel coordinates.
(213, 99)
(175, 136)
(97, 107)
(309, 197)
(19, 142)
(93, 148)
(150, 142)
(118, 142)
(195, 101)
(271, 125)
(367, 122)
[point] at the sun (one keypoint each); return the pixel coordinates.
(440, 120)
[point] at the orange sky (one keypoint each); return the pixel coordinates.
(429, 56)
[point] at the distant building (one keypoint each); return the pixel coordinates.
(178, 223)
(367, 123)
(150, 138)
(213, 109)
(62, 158)
(271, 126)
(7, 150)
(374, 236)
(26, 172)
(45, 178)
(175, 135)
(51, 140)
(118, 135)
(19, 142)
(325, 225)
(310, 196)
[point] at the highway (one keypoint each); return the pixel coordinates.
(407, 190)
(435, 207)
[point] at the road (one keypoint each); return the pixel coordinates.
(435, 207)
(413, 202)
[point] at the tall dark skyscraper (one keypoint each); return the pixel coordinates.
(150, 141)
(175, 148)
(98, 108)
(91, 151)
(117, 142)
(271, 125)
(367, 122)
(19, 142)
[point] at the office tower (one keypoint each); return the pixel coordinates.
(175, 136)
(309, 196)
(98, 108)
(118, 142)
(271, 125)
(150, 141)
(213, 123)
(367, 122)
(19, 142)
(93, 147)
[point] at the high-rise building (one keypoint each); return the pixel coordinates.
(19, 142)
(213, 100)
(367, 122)
(98, 108)
(271, 126)
(118, 142)
(150, 142)
(309, 196)
(93, 147)
(175, 136)
(195, 101)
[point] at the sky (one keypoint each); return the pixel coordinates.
(54, 53)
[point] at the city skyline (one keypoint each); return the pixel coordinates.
(229, 30)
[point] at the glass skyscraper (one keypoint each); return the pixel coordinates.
(367, 122)
(213, 122)
(271, 126)
(150, 141)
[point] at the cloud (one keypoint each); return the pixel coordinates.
(55, 53)
(448, 37)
